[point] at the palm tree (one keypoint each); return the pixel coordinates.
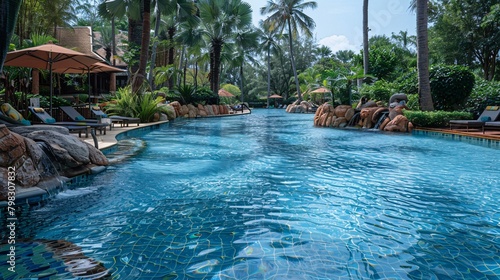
(191, 36)
(245, 42)
(112, 9)
(220, 19)
(8, 15)
(404, 39)
(268, 42)
(140, 75)
(290, 13)
(424, 87)
(366, 59)
(174, 12)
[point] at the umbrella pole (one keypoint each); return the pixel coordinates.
(51, 88)
(88, 79)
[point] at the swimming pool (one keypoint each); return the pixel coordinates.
(269, 196)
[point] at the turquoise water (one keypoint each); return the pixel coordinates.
(269, 196)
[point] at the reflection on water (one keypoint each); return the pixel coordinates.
(268, 195)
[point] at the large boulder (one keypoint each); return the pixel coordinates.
(27, 156)
(177, 108)
(67, 149)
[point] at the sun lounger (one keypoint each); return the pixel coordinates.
(12, 114)
(123, 121)
(491, 113)
(45, 118)
(14, 118)
(491, 126)
(74, 115)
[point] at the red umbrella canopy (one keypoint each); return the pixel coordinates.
(49, 56)
(225, 93)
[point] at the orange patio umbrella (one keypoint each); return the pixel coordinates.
(321, 90)
(49, 57)
(225, 93)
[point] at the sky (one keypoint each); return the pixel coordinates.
(339, 23)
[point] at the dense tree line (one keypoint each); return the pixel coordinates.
(209, 43)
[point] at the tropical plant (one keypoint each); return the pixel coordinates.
(268, 41)
(289, 14)
(245, 44)
(220, 20)
(127, 103)
(163, 73)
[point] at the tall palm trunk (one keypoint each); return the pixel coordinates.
(171, 54)
(154, 48)
(365, 38)
(8, 11)
(424, 87)
(268, 75)
(215, 66)
(241, 82)
(143, 58)
(134, 38)
(293, 61)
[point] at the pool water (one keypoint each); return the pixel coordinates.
(270, 196)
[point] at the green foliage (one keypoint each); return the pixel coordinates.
(436, 119)
(124, 104)
(451, 85)
(185, 92)
(163, 73)
(408, 83)
(379, 91)
(413, 103)
(484, 93)
(232, 89)
(203, 95)
(143, 106)
(45, 100)
(148, 106)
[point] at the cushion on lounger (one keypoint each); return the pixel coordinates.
(38, 110)
(79, 118)
(485, 119)
(50, 120)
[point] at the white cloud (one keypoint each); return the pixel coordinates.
(338, 43)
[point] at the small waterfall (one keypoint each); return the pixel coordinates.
(354, 120)
(50, 179)
(381, 119)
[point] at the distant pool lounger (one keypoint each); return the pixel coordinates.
(123, 121)
(490, 114)
(491, 126)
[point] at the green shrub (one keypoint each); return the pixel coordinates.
(143, 106)
(451, 85)
(436, 119)
(379, 91)
(408, 83)
(413, 102)
(484, 93)
(45, 100)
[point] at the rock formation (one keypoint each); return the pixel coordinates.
(20, 149)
